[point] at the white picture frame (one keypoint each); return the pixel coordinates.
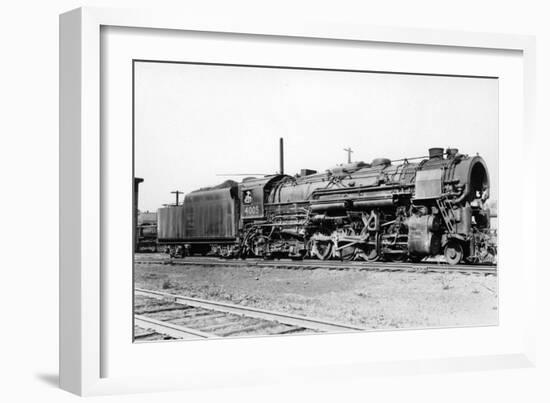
(83, 171)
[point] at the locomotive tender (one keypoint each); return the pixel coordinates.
(391, 210)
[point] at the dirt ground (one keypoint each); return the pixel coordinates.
(374, 300)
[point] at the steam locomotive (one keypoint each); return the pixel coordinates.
(391, 210)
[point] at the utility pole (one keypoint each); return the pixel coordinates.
(349, 151)
(177, 193)
(281, 157)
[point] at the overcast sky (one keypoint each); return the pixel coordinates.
(195, 122)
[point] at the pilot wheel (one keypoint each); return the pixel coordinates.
(453, 252)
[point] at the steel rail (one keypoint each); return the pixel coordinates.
(171, 329)
(320, 325)
(329, 264)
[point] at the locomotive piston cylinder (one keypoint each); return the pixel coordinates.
(424, 238)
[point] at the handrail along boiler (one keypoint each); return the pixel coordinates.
(393, 211)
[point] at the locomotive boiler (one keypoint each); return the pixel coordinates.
(390, 210)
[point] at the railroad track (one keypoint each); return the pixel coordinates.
(422, 267)
(160, 315)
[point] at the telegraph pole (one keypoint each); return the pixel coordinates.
(349, 151)
(177, 193)
(281, 157)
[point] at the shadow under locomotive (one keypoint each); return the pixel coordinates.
(391, 210)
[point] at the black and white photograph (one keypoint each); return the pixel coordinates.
(276, 201)
(272, 200)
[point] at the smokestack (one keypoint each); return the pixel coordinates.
(281, 157)
(435, 152)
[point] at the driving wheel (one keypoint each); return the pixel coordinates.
(322, 249)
